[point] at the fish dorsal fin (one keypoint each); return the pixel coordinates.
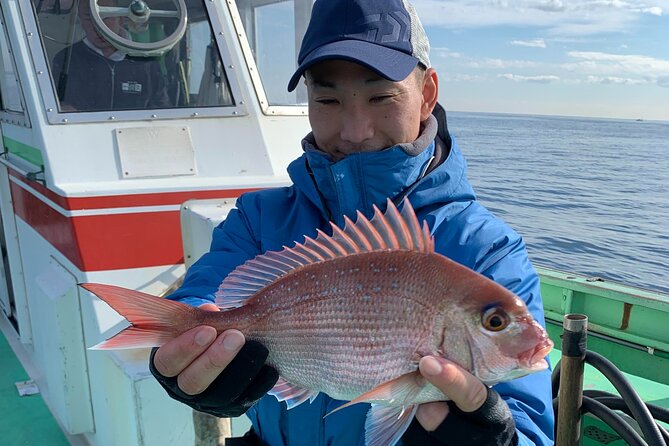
(291, 394)
(392, 230)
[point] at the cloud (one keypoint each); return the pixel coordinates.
(583, 67)
(544, 79)
(459, 77)
(618, 69)
(558, 17)
(595, 62)
(655, 10)
(614, 80)
(444, 52)
(500, 63)
(535, 43)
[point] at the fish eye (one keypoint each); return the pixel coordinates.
(495, 319)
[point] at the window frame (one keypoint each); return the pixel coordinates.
(47, 89)
(12, 116)
(266, 107)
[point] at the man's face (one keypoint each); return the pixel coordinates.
(353, 109)
(114, 24)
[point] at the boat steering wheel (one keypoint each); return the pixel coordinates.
(139, 14)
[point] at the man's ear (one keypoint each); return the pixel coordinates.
(430, 93)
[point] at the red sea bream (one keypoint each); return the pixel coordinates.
(351, 314)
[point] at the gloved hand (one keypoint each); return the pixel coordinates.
(490, 425)
(244, 381)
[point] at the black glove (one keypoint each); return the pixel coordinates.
(249, 439)
(243, 382)
(490, 425)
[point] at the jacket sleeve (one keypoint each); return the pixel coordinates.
(529, 397)
(232, 244)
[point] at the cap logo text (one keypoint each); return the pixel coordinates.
(389, 27)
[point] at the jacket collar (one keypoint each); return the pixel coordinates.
(429, 170)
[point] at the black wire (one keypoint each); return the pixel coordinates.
(608, 416)
(617, 403)
(614, 420)
(612, 402)
(638, 408)
(594, 393)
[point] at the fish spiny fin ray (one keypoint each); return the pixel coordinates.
(400, 228)
(292, 395)
(358, 238)
(429, 240)
(384, 229)
(385, 425)
(389, 230)
(414, 229)
(345, 240)
(392, 230)
(370, 233)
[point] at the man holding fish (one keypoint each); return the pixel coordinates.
(377, 133)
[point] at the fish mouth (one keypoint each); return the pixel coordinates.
(534, 358)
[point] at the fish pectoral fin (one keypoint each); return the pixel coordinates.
(293, 395)
(385, 425)
(398, 391)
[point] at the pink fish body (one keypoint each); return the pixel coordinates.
(351, 315)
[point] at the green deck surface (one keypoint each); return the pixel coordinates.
(25, 420)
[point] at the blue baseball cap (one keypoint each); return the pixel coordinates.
(385, 36)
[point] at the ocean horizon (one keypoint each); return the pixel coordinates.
(541, 115)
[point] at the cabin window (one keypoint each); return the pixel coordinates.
(107, 55)
(275, 29)
(10, 91)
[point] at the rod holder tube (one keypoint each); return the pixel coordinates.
(574, 337)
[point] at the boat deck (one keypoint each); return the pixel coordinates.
(629, 328)
(25, 420)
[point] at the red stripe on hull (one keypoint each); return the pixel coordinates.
(105, 242)
(128, 200)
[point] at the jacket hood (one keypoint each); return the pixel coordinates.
(363, 179)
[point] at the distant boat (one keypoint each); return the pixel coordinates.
(639, 120)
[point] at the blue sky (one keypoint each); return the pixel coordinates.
(603, 58)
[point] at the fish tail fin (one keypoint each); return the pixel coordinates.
(155, 320)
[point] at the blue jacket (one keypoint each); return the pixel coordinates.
(463, 230)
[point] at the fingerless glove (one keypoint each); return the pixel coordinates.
(243, 382)
(490, 425)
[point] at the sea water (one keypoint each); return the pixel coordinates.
(589, 196)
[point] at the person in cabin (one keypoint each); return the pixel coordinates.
(377, 132)
(92, 75)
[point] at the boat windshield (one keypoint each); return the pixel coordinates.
(106, 55)
(275, 29)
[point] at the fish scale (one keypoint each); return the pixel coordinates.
(341, 361)
(351, 314)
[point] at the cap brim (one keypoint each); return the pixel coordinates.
(391, 64)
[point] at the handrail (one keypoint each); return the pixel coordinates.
(30, 176)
